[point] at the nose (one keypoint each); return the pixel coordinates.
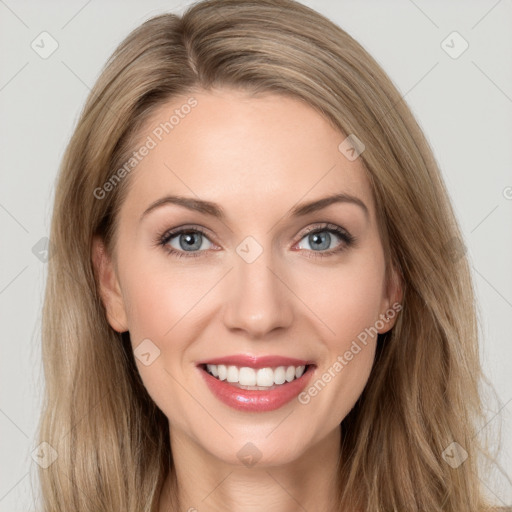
(258, 298)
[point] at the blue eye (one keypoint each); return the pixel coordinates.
(319, 239)
(189, 242)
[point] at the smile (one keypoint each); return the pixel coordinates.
(256, 384)
(250, 378)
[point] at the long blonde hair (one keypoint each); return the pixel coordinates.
(423, 393)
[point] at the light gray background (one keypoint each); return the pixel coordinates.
(464, 106)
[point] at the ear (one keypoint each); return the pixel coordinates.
(108, 285)
(392, 301)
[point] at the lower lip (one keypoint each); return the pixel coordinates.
(252, 400)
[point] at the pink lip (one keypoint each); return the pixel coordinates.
(253, 400)
(256, 362)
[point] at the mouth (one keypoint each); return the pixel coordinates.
(260, 379)
(256, 388)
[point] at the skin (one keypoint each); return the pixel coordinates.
(256, 157)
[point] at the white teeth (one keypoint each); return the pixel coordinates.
(222, 370)
(232, 374)
(212, 368)
(247, 376)
(263, 377)
(279, 375)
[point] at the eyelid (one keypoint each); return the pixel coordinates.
(322, 226)
(170, 233)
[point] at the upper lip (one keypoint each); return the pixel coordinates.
(255, 362)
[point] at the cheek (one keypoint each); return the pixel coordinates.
(347, 355)
(162, 305)
(348, 303)
(347, 299)
(159, 296)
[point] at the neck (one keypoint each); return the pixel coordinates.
(200, 482)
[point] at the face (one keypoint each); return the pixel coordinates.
(251, 274)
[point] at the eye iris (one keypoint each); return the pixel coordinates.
(190, 244)
(322, 236)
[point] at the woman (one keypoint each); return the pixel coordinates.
(258, 297)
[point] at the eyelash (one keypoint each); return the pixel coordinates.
(348, 240)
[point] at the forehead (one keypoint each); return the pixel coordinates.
(243, 151)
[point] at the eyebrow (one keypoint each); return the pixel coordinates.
(214, 210)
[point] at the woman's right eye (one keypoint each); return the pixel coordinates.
(184, 242)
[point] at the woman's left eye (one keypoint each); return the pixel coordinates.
(190, 241)
(319, 239)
